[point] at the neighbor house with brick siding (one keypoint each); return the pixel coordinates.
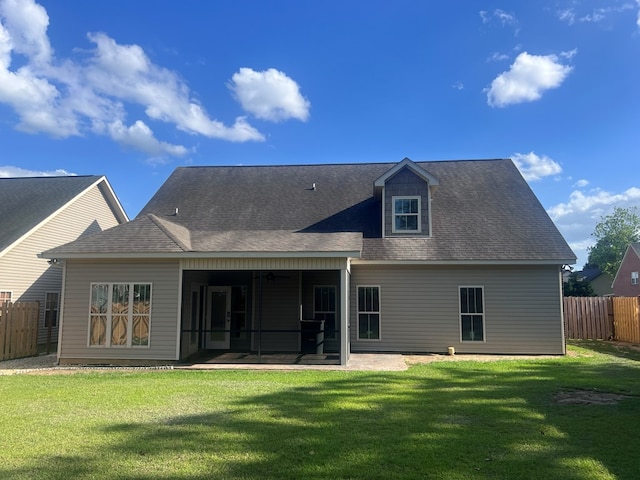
(626, 283)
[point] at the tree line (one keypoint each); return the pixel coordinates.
(613, 234)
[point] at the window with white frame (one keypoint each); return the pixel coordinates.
(406, 215)
(5, 296)
(51, 301)
(368, 313)
(634, 278)
(120, 314)
(324, 308)
(472, 314)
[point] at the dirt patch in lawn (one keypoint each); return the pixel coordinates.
(588, 397)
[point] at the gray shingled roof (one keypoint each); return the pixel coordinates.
(483, 210)
(26, 202)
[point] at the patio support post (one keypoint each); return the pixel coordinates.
(344, 316)
(260, 318)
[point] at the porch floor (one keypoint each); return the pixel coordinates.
(295, 361)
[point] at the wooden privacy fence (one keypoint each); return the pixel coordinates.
(18, 329)
(626, 319)
(594, 318)
(588, 318)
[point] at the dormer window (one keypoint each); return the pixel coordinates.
(406, 214)
(405, 192)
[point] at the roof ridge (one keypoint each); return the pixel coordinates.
(166, 227)
(338, 164)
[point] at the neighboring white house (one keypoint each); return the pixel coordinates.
(39, 213)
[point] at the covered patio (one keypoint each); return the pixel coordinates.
(266, 315)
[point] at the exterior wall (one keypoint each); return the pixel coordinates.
(293, 263)
(602, 285)
(164, 277)
(622, 286)
(406, 183)
(420, 308)
(30, 277)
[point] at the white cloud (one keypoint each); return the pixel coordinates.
(458, 85)
(581, 183)
(31, 21)
(91, 95)
(8, 171)
(269, 95)
(497, 57)
(577, 218)
(125, 72)
(535, 167)
(526, 80)
(596, 15)
(568, 15)
(569, 54)
(506, 19)
(638, 18)
(140, 137)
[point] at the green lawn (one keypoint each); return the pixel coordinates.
(444, 420)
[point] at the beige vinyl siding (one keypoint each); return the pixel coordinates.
(30, 277)
(164, 278)
(420, 308)
(323, 263)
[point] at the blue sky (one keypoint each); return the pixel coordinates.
(133, 90)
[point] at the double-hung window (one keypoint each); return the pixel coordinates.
(406, 215)
(324, 308)
(634, 278)
(5, 296)
(368, 313)
(120, 314)
(472, 314)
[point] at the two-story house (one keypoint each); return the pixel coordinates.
(386, 257)
(40, 213)
(626, 283)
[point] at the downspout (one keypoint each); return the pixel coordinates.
(61, 320)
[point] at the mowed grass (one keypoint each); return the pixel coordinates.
(444, 420)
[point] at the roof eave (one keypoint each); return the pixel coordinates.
(179, 255)
(360, 261)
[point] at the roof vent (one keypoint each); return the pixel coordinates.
(176, 212)
(313, 186)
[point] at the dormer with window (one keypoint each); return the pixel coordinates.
(405, 192)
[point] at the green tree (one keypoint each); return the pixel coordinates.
(613, 235)
(575, 287)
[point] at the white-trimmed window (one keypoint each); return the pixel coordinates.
(51, 302)
(406, 215)
(120, 314)
(5, 296)
(472, 314)
(324, 308)
(634, 278)
(368, 312)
